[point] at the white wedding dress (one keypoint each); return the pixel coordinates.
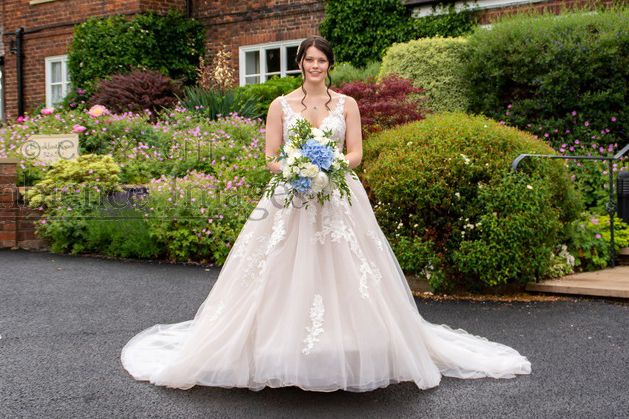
(313, 298)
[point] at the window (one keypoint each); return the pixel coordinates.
(57, 79)
(258, 63)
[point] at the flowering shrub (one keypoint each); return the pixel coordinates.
(552, 69)
(225, 156)
(442, 188)
(182, 141)
(579, 138)
(198, 216)
(385, 104)
(589, 239)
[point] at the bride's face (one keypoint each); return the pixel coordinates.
(315, 65)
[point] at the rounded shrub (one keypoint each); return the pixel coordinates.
(434, 64)
(453, 210)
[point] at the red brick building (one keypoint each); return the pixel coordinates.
(262, 36)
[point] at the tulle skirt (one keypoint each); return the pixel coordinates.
(312, 298)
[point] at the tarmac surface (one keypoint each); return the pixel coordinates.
(64, 320)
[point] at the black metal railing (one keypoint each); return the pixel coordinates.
(611, 204)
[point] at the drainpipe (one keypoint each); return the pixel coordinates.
(188, 9)
(19, 57)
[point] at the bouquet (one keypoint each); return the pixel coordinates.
(312, 166)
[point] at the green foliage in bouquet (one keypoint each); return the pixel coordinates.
(443, 186)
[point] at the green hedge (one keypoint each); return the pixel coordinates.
(453, 211)
(435, 64)
(101, 47)
(360, 31)
(541, 73)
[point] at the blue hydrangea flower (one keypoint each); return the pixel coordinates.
(302, 184)
(320, 155)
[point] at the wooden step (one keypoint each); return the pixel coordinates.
(612, 282)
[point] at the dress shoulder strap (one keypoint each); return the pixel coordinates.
(285, 106)
(341, 104)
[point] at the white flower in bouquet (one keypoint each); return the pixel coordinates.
(319, 182)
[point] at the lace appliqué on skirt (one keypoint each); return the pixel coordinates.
(315, 329)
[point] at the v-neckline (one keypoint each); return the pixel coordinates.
(330, 113)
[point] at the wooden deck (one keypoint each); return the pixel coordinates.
(612, 282)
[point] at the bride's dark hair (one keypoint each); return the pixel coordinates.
(324, 46)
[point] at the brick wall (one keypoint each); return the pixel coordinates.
(8, 208)
(17, 222)
(253, 22)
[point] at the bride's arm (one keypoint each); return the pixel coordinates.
(273, 135)
(353, 134)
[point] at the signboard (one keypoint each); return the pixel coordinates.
(51, 148)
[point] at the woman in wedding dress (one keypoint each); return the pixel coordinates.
(313, 297)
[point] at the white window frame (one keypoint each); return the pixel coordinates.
(65, 77)
(261, 49)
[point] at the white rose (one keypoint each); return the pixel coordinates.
(319, 182)
(316, 132)
(293, 152)
(308, 170)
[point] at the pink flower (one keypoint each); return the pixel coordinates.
(47, 111)
(20, 119)
(594, 220)
(78, 128)
(587, 123)
(598, 236)
(613, 119)
(574, 113)
(97, 110)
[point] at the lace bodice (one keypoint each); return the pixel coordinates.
(334, 121)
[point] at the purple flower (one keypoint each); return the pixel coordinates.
(574, 113)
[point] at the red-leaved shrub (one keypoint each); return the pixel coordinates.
(136, 91)
(391, 102)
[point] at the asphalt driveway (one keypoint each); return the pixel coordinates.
(64, 319)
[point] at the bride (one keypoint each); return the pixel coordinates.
(313, 297)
